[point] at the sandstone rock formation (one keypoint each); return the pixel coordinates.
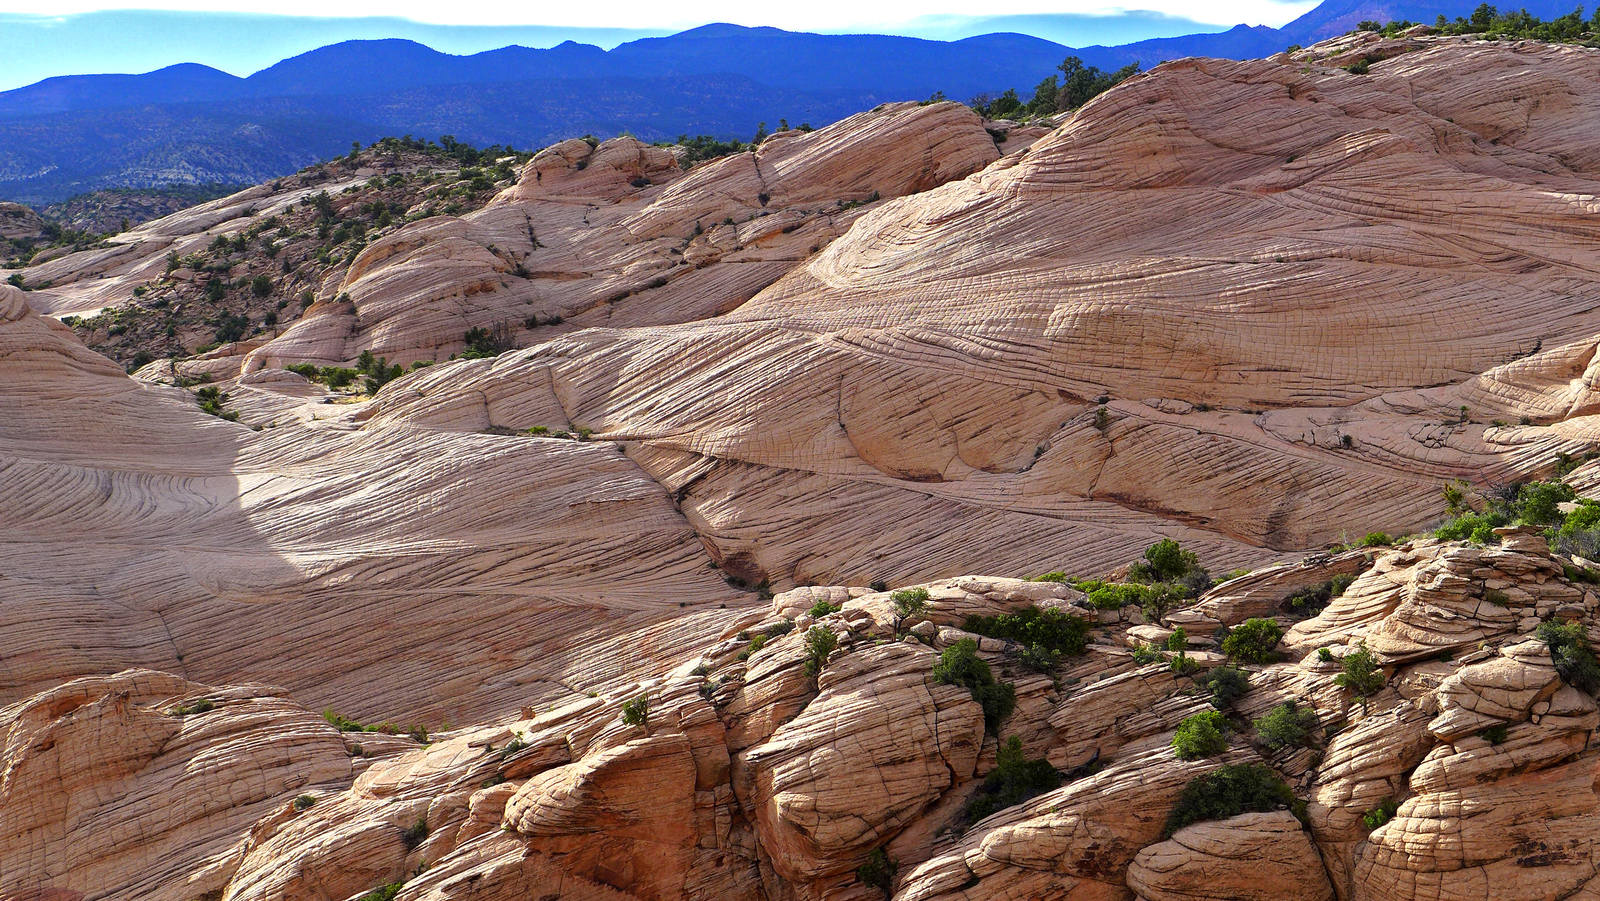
(1011, 371)
(1250, 857)
(18, 222)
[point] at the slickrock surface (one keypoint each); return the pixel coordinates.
(391, 572)
(1285, 280)
(746, 777)
(1250, 857)
(111, 788)
(935, 368)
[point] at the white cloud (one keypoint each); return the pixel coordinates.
(828, 15)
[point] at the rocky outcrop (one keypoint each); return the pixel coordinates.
(1435, 597)
(137, 785)
(19, 223)
(1250, 857)
(755, 768)
(570, 547)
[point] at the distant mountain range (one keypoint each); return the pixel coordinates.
(193, 124)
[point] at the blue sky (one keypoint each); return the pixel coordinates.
(74, 37)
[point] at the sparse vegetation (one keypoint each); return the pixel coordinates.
(1253, 641)
(1362, 676)
(199, 705)
(304, 802)
(1523, 504)
(1574, 659)
(1287, 726)
(211, 400)
(1490, 24)
(1201, 735)
(1167, 575)
(820, 642)
(908, 603)
(1227, 792)
(343, 723)
(1076, 85)
(878, 871)
(413, 835)
(383, 892)
(636, 712)
(1014, 779)
(1225, 684)
(960, 664)
(264, 275)
(823, 608)
(1381, 814)
(1046, 632)
(483, 343)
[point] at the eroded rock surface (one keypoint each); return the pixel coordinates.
(1234, 361)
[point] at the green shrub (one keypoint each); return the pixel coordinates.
(823, 608)
(1014, 779)
(337, 377)
(1477, 528)
(1538, 503)
(1376, 539)
(203, 705)
(413, 835)
(960, 664)
(1362, 676)
(211, 400)
(636, 712)
(1154, 600)
(1167, 561)
(1309, 601)
(1325, 655)
(261, 286)
(1381, 814)
(483, 343)
(1146, 654)
(1579, 534)
(1287, 726)
(1494, 735)
(1049, 628)
(377, 370)
(820, 642)
(756, 643)
(1113, 595)
(1226, 684)
(1227, 792)
(908, 602)
(1201, 735)
(1179, 640)
(383, 892)
(1038, 658)
(1530, 503)
(878, 871)
(1253, 641)
(1057, 576)
(1497, 597)
(304, 802)
(1574, 659)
